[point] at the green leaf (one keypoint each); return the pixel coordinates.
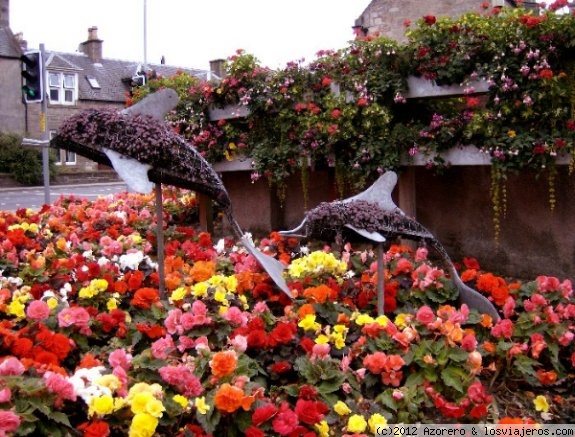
(453, 377)
(457, 354)
(60, 418)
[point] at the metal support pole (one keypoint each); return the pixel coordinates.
(380, 281)
(44, 129)
(160, 238)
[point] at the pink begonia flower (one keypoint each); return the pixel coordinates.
(239, 343)
(5, 395)
(421, 254)
(9, 421)
(185, 343)
(566, 289)
(59, 385)
(172, 322)
(503, 328)
(11, 366)
(38, 310)
(320, 351)
(120, 358)
(469, 343)
(183, 378)
(122, 376)
(236, 316)
(202, 343)
(75, 316)
(566, 338)
(162, 347)
(425, 315)
(509, 307)
(260, 307)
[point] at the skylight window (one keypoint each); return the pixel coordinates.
(93, 82)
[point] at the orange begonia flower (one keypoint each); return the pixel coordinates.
(223, 363)
(305, 309)
(229, 399)
(173, 280)
(202, 271)
(145, 297)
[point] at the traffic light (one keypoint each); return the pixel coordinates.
(32, 78)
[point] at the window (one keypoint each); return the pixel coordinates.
(62, 88)
(63, 157)
(93, 82)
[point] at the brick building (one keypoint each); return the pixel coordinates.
(75, 82)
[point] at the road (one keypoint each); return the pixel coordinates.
(12, 199)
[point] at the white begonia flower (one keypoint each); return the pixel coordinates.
(220, 246)
(131, 260)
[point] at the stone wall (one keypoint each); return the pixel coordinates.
(387, 17)
(454, 206)
(12, 109)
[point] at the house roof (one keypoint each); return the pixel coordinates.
(9, 47)
(113, 75)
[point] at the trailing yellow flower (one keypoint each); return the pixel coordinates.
(341, 408)
(541, 404)
(201, 405)
(182, 401)
(322, 429)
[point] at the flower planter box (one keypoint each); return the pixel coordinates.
(419, 87)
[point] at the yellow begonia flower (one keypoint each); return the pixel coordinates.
(101, 405)
(338, 341)
(322, 339)
(376, 420)
(112, 304)
(200, 404)
(322, 429)
(382, 321)
(178, 294)
(100, 284)
(364, 319)
(182, 401)
(541, 404)
(143, 425)
(308, 323)
(356, 423)
(200, 289)
(110, 381)
(155, 407)
(401, 320)
(341, 408)
(220, 295)
(140, 400)
(52, 303)
(16, 308)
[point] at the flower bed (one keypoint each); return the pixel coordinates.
(89, 345)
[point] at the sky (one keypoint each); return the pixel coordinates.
(190, 33)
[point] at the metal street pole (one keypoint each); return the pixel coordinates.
(44, 129)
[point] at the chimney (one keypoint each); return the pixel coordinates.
(93, 46)
(4, 13)
(217, 68)
(22, 43)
